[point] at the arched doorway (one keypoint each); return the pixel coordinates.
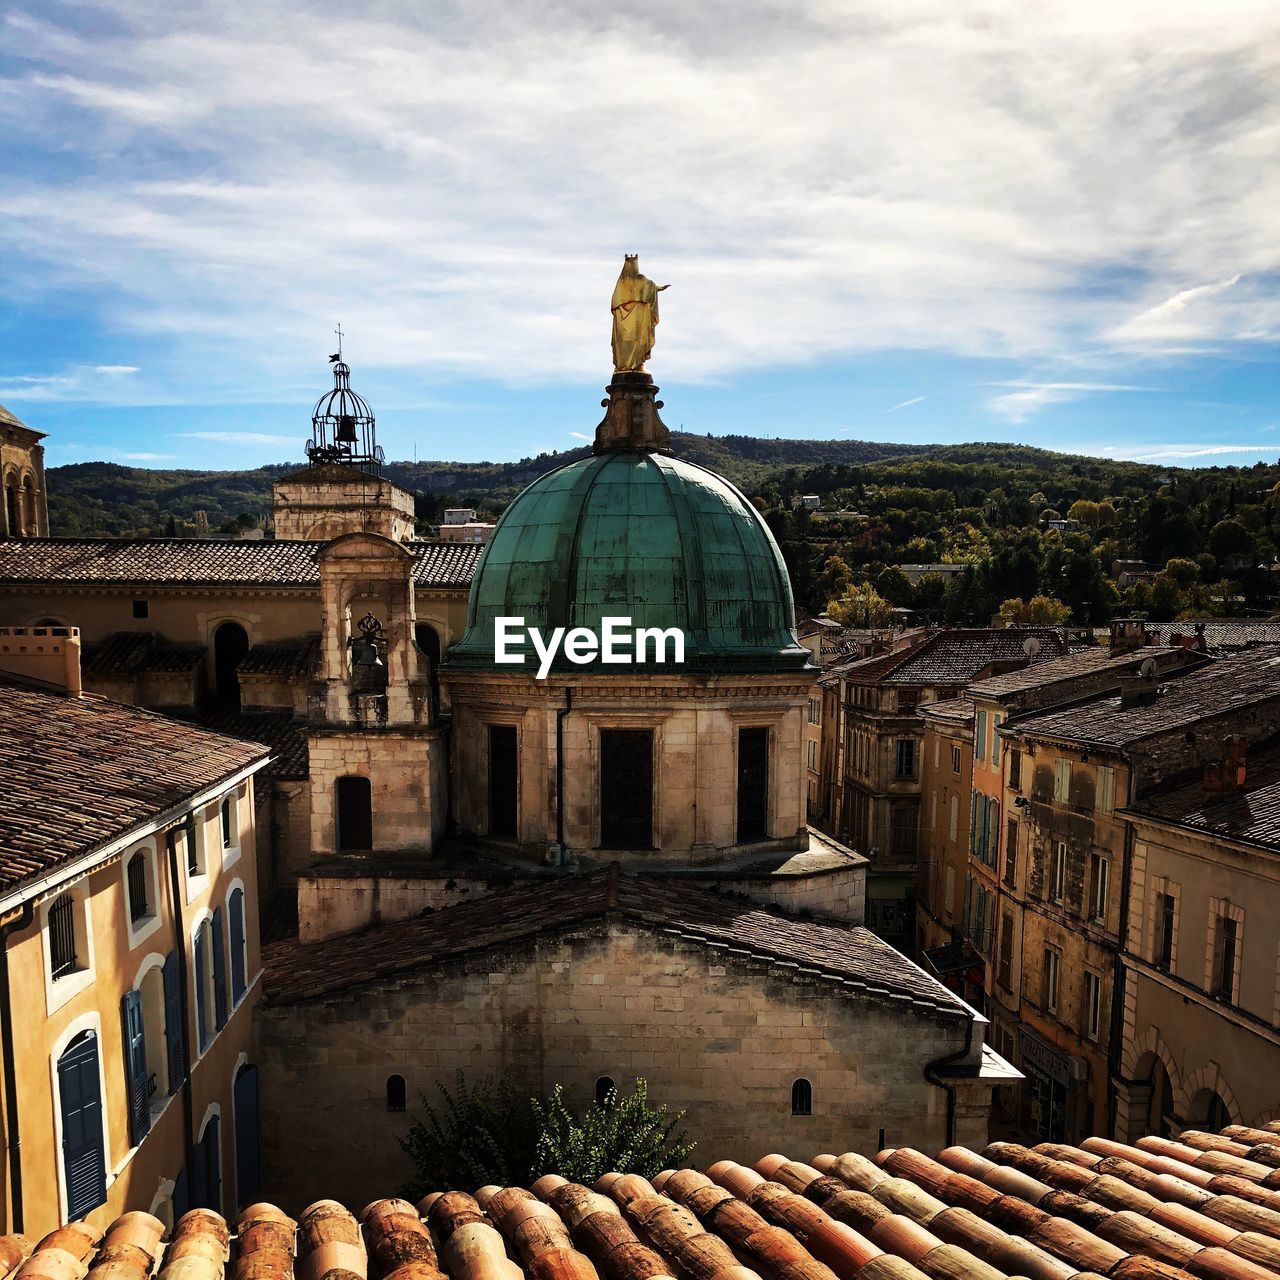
(428, 639)
(1208, 1111)
(230, 644)
(1160, 1117)
(353, 798)
(80, 1101)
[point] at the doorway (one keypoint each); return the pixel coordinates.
(626, 788)
(753, 784)
(230, 644)
(354, 797)
(504, 776)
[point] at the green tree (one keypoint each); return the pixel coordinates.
(861, 605)
(1036, 612)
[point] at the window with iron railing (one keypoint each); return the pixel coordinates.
(139, 908)
(62, 937)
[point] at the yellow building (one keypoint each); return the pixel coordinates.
(24, 511)
(129, 959)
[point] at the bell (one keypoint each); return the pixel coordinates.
(369, 656)
(346, 433)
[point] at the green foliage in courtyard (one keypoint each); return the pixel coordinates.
(490, 1132)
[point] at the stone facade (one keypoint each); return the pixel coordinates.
(712, 1032)
(24, 508)
(324, 502)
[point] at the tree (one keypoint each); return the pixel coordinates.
(493, 1133)
(1229, 538)
(895, 586)
(861, 605)
(1039, 611)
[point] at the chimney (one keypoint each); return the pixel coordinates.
(49, 656)
(1227, 774)
(1137, 690)
(1127, 634)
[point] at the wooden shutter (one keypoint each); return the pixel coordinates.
(135, 1067)
(235, 922)
(248, 1163)
(80, 1099)
(196, 1173)
(202, 1002)
(175, 1031)
(219, 970)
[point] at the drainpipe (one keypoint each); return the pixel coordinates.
(184, 1001)
(561, 712)
(932, 1069)
(16, 1225)
(1116, 1029)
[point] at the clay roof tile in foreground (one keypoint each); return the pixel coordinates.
(1203, 1208)
(854, 958)
(207, 562)
(82, 771)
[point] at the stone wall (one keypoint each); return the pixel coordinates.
(722, 1036)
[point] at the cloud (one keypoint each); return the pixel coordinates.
(233, 179)
(906, 404)
(581, 435)
(237, 437)
(145, 457)
(1031, 397)
(1172, 452)
(115, 370)
(94, 383)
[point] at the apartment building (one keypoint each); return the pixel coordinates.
(129, 960)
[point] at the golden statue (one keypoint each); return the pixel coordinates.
(635, 316)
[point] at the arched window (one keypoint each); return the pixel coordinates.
(80, 1104)
(139, 907)
(354, 797)
(802, 1098)
(13, 520)
(606, 1092)
(239, 953)
(395, 1093)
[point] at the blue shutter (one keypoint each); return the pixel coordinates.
(80, 1098)
(196, 1175)
(973, 821)
(202, 1011)
(219, 970)
(235, 921)
(248, 1161)
(135, 1067)
(175, 1031)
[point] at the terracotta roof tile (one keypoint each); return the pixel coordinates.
(952, 656)
(282, 731)
(127, 653)
(1054, 1212)
(854, 957)
(160, 562)
(290, 661)
(88, 770)
(1065, 668)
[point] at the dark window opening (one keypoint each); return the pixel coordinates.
(137, 877)
(1164, 928)
(1226, 958)
(753, 784)
(11, 505)
(62, 937)
(141, 608)
(355, 813)
(626, 788)
(606, 1092)
(906, 758)
(1015, 769)
(504, 775)
(396, 1093)
(228, 823)
(802, 1098)
(230, 644)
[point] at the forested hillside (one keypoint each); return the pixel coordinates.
(1209, 535)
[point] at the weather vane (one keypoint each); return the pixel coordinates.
(338, 356)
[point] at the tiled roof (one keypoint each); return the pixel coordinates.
(1251, 815)
(956, 709)
(953, 656)
(1219, 633)
(1070, 667)
(852, 957)
(283, 732)
(204, 562)
(81, 771)
(1204, 1207)
(289, 661)
(126, 653)
(1234, 681)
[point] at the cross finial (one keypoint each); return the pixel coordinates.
(338, 331)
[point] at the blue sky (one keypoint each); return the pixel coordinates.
(912, 221)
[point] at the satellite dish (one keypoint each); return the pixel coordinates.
(1031, 646)
(1148, 669)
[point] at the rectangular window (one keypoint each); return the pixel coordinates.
(903, 824)
(1162, 956)
(1058, 872)
(906, 765)
(995, 741)
(812, 754)
(141, 608)
(1106, 789)
(955, 816)
(227, 819)
(1015, 768)
(1061, 780)
(626, 788)
(753, 785)
(1011, 852)
(1098, 872)
(137, 879)
(1004, 970)
(1225, 966)
(62, 937)
(1049, 991)
(955, 761)
(980, 736)
(504, 779)
(815, 711)
(949, 902)
(1092, 1005)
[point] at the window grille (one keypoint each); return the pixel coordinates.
(62, 937)
(802, 1098)
(137, 877)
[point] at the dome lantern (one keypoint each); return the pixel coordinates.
(342, 426)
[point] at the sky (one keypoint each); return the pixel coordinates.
(911, 221)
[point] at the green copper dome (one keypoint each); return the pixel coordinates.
(633, 533)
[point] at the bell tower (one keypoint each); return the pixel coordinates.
(342, 489)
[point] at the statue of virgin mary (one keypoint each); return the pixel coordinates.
(635, 316)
